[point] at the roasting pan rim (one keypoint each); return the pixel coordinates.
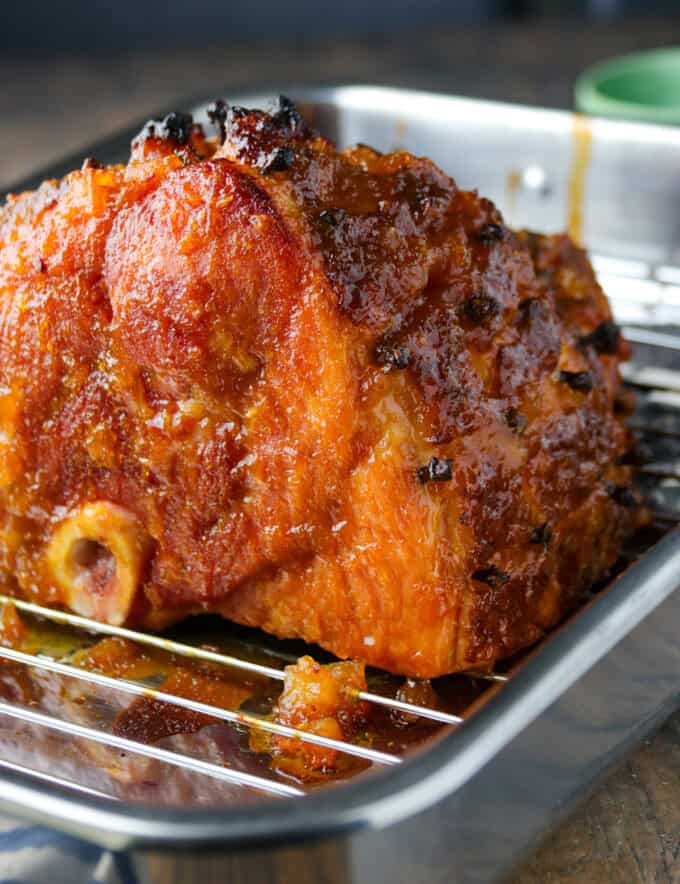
(332, 94)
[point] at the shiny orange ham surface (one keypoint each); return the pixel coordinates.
(324, 393)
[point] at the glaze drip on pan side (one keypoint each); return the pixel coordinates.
(321, 392)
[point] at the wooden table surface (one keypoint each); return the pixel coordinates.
(629, 831)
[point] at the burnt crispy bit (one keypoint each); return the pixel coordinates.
(577, 380)
(480, 308)
(491, 233)
(621, 494)
(392, 355)
(237, 112)
(177, 127)
(151, 129)
(436, 470)
(604, 339)
(217, 112)
(492, 576)
(541, 535)
(516, 421)
(280, 159)
(91, 163)
(287, 112)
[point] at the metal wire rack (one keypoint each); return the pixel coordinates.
(134, 689)
(661, 389)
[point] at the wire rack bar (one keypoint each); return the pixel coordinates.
(215, 771)
(252, 721)
(672, 517)
(143, 638)
(651, 338)
(665, 398)
(639, 426)
(651, 377)
(185, 650)
(660, 470)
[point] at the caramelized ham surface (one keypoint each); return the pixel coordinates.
(322, 392)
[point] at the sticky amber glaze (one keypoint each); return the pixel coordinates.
(12, 629)
(147, 719)
(342, 401)
(582, 139)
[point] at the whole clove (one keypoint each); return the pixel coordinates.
(541, 535)
(392, 355)
(492, 576)
(578, 380)
(604, 339)
(436, 470)
(491, 233)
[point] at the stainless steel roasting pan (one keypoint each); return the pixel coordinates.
(471, 805)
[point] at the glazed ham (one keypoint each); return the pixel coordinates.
(321, 392)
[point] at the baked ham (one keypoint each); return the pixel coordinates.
(325, 393)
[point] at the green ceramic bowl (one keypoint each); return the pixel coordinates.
(643, 86)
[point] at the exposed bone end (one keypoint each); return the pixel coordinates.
(96, 557)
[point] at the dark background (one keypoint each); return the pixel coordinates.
(87, 25)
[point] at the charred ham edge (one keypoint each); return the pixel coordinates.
(176, 127)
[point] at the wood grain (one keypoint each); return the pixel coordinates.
(629, 831)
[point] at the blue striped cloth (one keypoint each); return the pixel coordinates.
(35, 855)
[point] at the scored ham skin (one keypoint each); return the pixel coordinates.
(336, 396)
